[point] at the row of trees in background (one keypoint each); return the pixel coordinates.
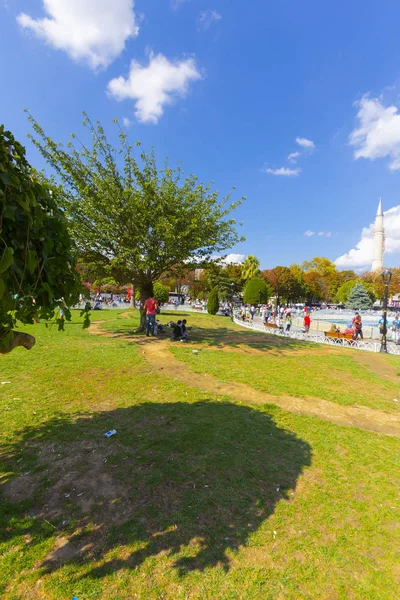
(315, 281)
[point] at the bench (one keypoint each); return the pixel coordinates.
(339, 336)
(271, 325)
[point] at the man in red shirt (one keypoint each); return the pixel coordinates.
(150, 307)
(307, 323)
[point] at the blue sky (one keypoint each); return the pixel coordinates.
(227, 88)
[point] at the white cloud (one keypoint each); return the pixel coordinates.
(309, 233)
(293, 156)
(283, 171)
(207, 18)
(305, 143)
(176, 3)
(154, 86)
(362, 254)
(234, 259)
(378, 134)
(327, 234)
(89, 31)
(126, 122)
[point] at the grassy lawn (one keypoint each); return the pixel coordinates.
(197, 496)
(335, 377)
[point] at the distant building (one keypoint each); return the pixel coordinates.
(379, 240)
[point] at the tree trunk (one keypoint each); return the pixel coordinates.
(18, 339)
(133, 300)
(146, 291)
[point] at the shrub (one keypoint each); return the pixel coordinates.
(160, 292)
(252, 291)
(213, 302)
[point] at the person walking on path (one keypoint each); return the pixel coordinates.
(382, 326)
(288, 321)
(252, 311)
(150, 307)
(396, 330)
(357, 325)
(307, 323)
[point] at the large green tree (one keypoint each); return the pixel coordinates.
(284, 283)
(134, 219)
(37, 264)
(321, 278)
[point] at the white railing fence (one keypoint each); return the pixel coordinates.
(312, 336)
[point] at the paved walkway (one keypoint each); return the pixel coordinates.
(319, 337)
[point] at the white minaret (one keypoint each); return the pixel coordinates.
(379, 240)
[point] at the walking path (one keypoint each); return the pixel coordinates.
(156, 352)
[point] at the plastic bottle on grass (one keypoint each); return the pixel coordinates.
(110, 433)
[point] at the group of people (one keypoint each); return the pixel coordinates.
(281, 316)
(105, 300)
(154, 327)
(355, 328)
(394, 328)
(179, 332)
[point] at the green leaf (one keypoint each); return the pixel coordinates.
(32, 261)
(2, 288)
(8, 179)
(7, 259)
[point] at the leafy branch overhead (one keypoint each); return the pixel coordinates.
(37, 267)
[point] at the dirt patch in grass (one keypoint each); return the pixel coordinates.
(377, 364)
(162, 361)
(79, 486)
(156, 352)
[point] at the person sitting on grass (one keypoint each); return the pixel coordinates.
(177, 332)
(185, 334)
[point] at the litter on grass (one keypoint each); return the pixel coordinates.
(110, 433)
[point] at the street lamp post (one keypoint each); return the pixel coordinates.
(386, 277)
(259, 296)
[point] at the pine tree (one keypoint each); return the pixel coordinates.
(359, 298)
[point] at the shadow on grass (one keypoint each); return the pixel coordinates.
(190, 480)
(220, 337)
(212, 336)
